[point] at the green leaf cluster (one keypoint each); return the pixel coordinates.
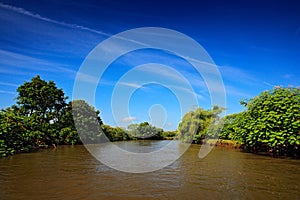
(198, 124)
(144, 130)
(42, 118)
(271, 122)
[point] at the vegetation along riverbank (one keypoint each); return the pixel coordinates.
(42, 118)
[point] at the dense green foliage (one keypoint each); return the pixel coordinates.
(15, 134)
(198, 124)
(42, 99)
(145, 130)
(41, 118)
(169, 135)
(36, 120)
(271, 122)
(87, 121)
(115, 133)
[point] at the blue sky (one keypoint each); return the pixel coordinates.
(255, 44)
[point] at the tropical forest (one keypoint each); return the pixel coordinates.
(43, 118)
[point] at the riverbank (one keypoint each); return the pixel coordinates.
(231, 144)
(224, 143)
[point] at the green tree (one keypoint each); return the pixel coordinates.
(145, 130)
(87, 122)
(115, 133)
(274, 120)
(169, 135)
(42, 118)
(271, 122)
(198, 124)
(44, 103)
(17, 133)
(41, 98)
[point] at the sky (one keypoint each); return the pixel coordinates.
(255, 45)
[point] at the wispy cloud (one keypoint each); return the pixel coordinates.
(129, 119)
(132, 85)
(169, 124)
(238, 92)
(268, 84)
(88, 78)
(15, 61)
(191, 91)
(8, 84)
(238, 75)
(8, 92)
(28, 13)
(174, 88)
(37, 16)
(158, 70)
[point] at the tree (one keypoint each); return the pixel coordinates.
(115, 133)
(16, 133)
(42, 118)
(145, 130)
(271, 122)
(274, 120)
(87, 122)
(169, 135)
(41, 98)
(196, 124)
(43, 103)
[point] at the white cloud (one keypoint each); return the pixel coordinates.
(86, 78)
(8, 92)
(191, 91)
(20, 61)
(162, 71)
(232, 90)
(129, 119)
(238, 75)
(37, 16)
(67, 25)
(169, 124)
(268, 84)
(132, 85)
(8, 84)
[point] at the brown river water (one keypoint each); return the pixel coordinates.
(72, 173)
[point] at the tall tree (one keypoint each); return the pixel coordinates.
(41, 98)
(43, 103)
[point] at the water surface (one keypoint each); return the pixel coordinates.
(72, 173)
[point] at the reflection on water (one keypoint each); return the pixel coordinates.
(72, 173)
(144, 146)
(136, 157)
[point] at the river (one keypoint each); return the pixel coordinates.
(70, 172)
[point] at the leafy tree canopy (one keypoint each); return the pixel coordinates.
(144, 130)
(271, 122)
(195, 124)
(41, 98)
